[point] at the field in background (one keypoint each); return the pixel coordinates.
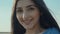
(4, 32)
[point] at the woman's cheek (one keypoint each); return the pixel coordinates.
(18, 17)
(36, 16)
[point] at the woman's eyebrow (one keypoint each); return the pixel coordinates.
(18, 8)
(26, 6)
(29, 6)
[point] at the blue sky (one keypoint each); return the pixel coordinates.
(5, 15)
(54, 6)
(6, 10)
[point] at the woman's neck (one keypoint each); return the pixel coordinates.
(35, 30)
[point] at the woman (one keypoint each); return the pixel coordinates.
(33, 17)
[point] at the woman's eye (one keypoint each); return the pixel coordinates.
(19, 11)
(30, 9)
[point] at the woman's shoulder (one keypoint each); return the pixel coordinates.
(51, 31)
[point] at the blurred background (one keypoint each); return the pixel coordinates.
(6, 11)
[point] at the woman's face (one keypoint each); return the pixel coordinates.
(27, 13)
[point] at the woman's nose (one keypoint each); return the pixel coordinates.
(25, 16)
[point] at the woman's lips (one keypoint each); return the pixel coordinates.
(27, 22)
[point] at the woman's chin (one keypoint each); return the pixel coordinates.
(30, 26)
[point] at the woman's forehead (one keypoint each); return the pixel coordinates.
(24, 3)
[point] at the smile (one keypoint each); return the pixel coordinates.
(27, 22)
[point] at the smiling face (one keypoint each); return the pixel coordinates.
(27, 13)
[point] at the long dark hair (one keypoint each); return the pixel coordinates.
(46, 19)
